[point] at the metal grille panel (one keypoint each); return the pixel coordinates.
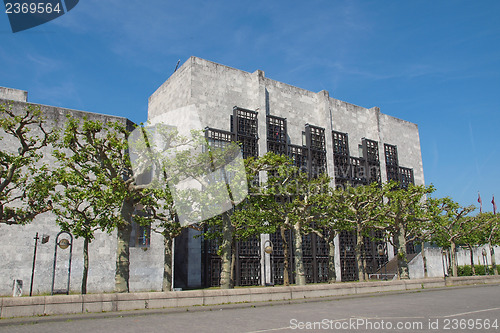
(276, 129)
(406, 177)
(299, 156)
(340, 143)
(391, 155)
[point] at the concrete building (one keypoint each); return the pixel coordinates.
(352, 143)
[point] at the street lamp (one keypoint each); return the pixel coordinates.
(443, 255)
(62, 243)
(485, 261)
(45, 239)
(268, 249)
(381, 249)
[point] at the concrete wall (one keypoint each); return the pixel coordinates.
(17, 242)
(435, 261)
(13, 94)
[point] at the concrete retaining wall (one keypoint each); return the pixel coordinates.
(63, 304)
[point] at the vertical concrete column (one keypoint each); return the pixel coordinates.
(261, 105)
(323, 98)
(265, 261)
(381, 150)
(338, 267)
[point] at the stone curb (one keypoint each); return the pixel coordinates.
(98, 303)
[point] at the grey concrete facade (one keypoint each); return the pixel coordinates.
(17, 241)
(213, 90)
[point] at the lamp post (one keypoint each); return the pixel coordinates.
(346, 250)
(268, 249)
(485, 261)
(443, 255)
(45, 239)
(64, 243)
(381, 249)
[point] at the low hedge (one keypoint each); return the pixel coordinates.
(466, 270)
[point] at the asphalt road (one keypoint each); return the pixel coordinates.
(464, 309)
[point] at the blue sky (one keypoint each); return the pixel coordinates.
(433, 63)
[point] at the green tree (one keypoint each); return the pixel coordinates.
(361, 208)
(472, 238)
(24, 188)
(451, 225)
(270, 199)
(330, 222)
(156, 209)
(98, 186)
(83, 205)
(490, 234)
(405, 213)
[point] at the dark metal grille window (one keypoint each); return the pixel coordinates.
(276, 135)
(391, 162)
(217, 138)
(248, 262)
(371, 150)
(358, 171)
(249, 146)
(278, 257)
(379, 240)
(342, 168)
(316, 136)
(405, 177)
(299, 156)
(246, 121)
(391, 154)
(315, 142)
(212, 262)
(348, 270)
(276, 147)
(340, 143)
(318, 163)
(245, 125)
(276, 129)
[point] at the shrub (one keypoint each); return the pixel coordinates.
(466, 270)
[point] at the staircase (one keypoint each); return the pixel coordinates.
(389, 271)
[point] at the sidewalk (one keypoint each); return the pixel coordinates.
(102, 305)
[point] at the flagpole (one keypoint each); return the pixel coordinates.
(494, 205)
(480, 202)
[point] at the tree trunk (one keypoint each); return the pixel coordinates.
(85, 265)
(358, 253)
(300, 275)
(402, 258)
(167, 263)
(424, 259)
(227, 239)
(124, 229)
(493, 260)
(233, 263)
(453, 255)
(332, 275)
(472, 259)
(122, 272)
(286, 259)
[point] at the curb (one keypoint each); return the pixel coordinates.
(179, 301)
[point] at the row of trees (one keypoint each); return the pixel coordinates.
(92, 187)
